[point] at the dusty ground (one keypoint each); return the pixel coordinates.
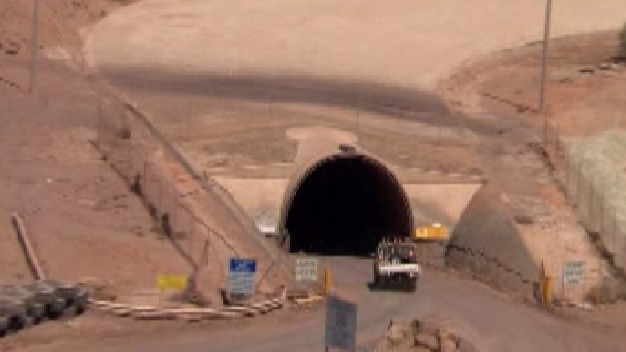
(61, 26)
(401, 44)
(505, 85)
(69, 197)
(91, 330)
(85, 216)
(578, 103)
(83, 220)
(229, 105)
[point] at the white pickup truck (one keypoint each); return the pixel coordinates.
(396, 263)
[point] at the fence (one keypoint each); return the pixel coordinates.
(591, 173)
(169, 188)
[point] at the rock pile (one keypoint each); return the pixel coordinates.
(423, 337)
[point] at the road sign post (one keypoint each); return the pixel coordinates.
(340, 324)
(573, 273)
(306, 269)
(241, 274)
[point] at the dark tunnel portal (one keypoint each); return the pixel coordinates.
(345, 205)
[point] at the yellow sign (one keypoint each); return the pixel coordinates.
(171, 282)
(433, 232)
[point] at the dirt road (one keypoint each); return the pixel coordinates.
(490, 320)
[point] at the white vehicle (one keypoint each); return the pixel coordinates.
(396, 263)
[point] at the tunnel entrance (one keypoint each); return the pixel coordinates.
(343, 206)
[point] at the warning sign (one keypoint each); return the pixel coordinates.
(171, 282)
(432, 232)
(306, 269)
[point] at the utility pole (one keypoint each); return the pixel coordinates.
(358, 116)
(544, 61)
(34, 48)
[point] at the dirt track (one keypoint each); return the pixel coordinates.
(490, 320)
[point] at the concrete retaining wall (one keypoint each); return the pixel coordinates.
(486, 243)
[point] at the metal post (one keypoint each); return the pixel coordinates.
(358, 118)
(99, 132)
(160, 205)
(145, 181)
(544, 61)
(579, 183)
(602, 207)
(34, 48)
(191, 226)
(270, 103)
(568, 192)
(615, 233)
(590, 208)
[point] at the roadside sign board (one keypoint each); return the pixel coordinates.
(306, 269)
(340, 323)
(241, 276)
(573, 272)
(171, 282)
(433, 232)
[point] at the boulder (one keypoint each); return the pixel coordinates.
(396, 333)
(466, 346)
(447, 345)
(427, 340)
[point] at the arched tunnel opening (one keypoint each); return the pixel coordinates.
(344, 206)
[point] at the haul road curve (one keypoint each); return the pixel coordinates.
(159, 50)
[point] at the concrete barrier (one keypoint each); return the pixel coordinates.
(486, 243)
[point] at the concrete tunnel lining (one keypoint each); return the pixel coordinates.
(342, 204)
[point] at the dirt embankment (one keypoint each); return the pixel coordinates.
(84, 220)
(69, 100)
(61, 23)
(585, 95)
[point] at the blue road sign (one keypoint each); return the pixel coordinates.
(241, 276)
(242, 265)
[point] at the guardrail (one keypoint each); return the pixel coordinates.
(189, 314)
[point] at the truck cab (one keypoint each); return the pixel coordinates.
(396, 263)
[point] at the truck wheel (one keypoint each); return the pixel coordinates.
(384, 281)
(70, 312)
(81, 308)
(413, 284)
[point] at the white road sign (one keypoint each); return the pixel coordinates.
(340, 324)
(306, 269)
(241, 276)
(573, 272)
